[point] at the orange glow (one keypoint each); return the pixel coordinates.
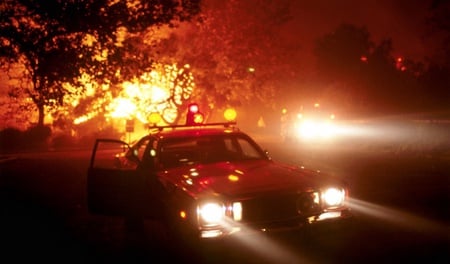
(198, 118)
(160, 91)
(399, 64)
(122, 107)
(233, 178)
(183, 214)
(154, 118)
(230, 114)
(82, 119)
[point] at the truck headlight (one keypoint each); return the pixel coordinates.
(211, 213)
(316, 129)
(333, 197)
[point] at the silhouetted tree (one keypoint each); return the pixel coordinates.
(365, 75)
(436, 77)
(342, 58)
(436, 83)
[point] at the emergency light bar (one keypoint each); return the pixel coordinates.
(224, 124)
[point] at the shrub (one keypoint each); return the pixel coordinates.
(63, 141)
(10, 139)
(37, 136)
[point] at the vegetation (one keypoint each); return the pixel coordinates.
(55, 42)
(236, 53)
(366, 78)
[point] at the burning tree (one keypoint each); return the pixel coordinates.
(163, 90)
(57, 42)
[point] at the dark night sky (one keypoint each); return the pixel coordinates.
(401, 20)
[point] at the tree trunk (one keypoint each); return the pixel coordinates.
(41, 115)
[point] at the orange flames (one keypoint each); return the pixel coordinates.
(162, 91)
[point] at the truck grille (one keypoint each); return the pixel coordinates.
(280, 207)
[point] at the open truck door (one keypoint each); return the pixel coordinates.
(112, 189)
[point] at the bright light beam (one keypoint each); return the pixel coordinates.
(260, 243)
(402, 219)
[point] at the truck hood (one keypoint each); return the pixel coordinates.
(243, 178)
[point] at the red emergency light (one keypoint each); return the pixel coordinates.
(194, 116)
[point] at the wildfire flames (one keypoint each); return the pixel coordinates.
(161, 91)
